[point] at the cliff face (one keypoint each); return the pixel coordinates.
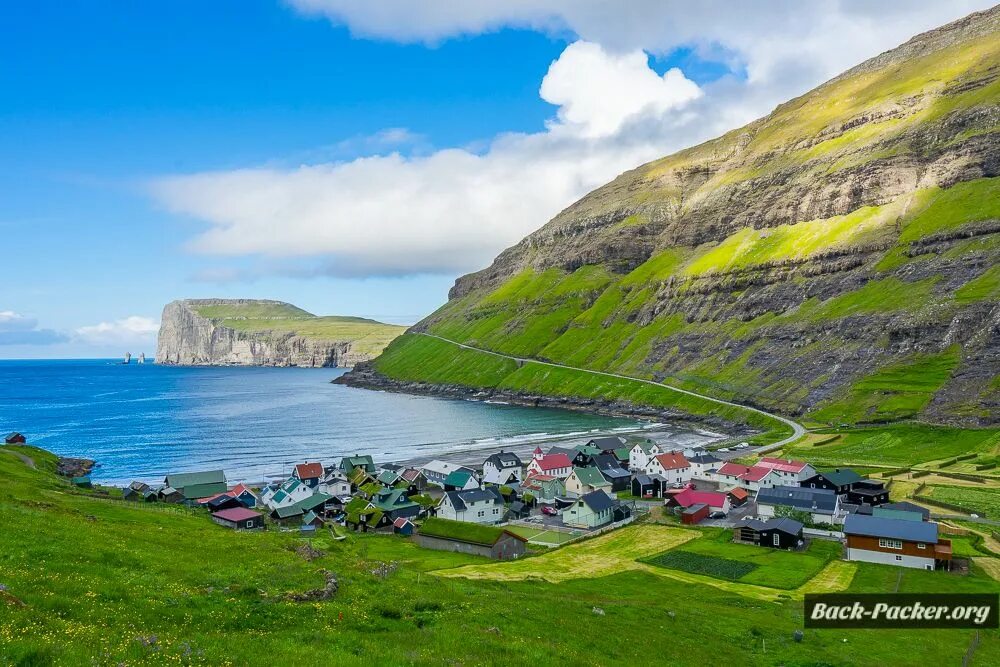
(248, 332)
(837, 258)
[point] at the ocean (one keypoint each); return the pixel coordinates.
(143, 421)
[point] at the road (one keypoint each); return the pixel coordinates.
(798, 430)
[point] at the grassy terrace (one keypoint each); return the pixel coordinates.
(91, 580)
(424, 359)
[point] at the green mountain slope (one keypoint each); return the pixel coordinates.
(835, 259)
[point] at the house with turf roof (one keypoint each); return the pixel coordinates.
(470, 538)
(394, 504)
(309, 474)
(473, 506)
(193, 486)
(591, 510)
(349, 464)
(462, 479)
(585, 480)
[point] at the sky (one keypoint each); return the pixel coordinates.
(350, 157)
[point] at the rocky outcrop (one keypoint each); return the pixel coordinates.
(187, 338)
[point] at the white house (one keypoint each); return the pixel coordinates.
(474, 506)
(437, 471)
(334, 483)
(641, 452)
(554, 465)
(673, 467)
(789, 472)
(751, 478)
(503, 465)
(289, 493)
(702, 463)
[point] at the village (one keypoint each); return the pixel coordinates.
(507, 507)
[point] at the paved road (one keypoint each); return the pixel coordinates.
(798, 430)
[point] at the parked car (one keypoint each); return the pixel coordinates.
(743, 445)
(717, 515)
(550, 510)
(725, 449)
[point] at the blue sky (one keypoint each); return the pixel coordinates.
(346, 162)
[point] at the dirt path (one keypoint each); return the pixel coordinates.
(27, 460)
(798, 430)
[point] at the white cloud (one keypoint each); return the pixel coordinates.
(454, 209)
(130, 329)
(17, 329)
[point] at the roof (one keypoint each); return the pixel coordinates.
(464, 531)
(309, 470)
(841, 476)
(897, 529)
(441, 467)
(747, 473)
(241, 489)
(644, 480)
(590, 476)
(499, 476)
(236, 514)
(411, 474)
(904, 506)
(310, 517)
(400, 522)
(390, 500)
(672, 461)
(703, 459)
(739, 494)
(387, 477)
(608, 442)
(756, 473)
(734, 469)
(821, 501)
(460, 498)
(182, 479)
(782, 465)
(356, 460)
(195, 491)
(781, 524)
(597, 501)
(504, 459)
(689, 497)
(554, 462)
(458, 478)
(615, 473)
(303, 506)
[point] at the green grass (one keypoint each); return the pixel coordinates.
(982, 501)
(461, 530)
(940, 210)
(895, 392)
(897, 445)
(366, 336)
(985, 287)
(716, 555)
(541, 535)
(97, 576)
(250, 310)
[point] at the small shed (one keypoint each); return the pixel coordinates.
(519, 510)
(694, 514)
(239, 518)
(777, 533)
(738, 496)
(223, 502)
(647, 486)
(402, 526)
(82, 483)
(14, 438)
(312, 519)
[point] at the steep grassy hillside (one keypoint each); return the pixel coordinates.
(91, 580)
(835, 259)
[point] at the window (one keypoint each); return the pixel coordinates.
(886, 543)
(921, 545)
(249, 524)
(775, 539)
(899, 558)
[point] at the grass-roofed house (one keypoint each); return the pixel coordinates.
(470, 538)
(197, 485)
(349, 464)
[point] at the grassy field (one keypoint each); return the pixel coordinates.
(92, 581)
(553, 537)
(894, 445)
(982, 501)
(715, 554)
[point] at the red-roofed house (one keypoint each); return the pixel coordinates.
(555, 465)
(717, 502)
(309, 473)
(751, 478)
(788, 470)
(239, 518)
(672, 467)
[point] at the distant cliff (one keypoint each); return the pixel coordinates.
(256, 332)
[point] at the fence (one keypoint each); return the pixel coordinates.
(823, 534)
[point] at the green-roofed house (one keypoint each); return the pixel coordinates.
(461, 480)
(349, 464)
(394, 504)
(197, 485)
(584, 480)
(470, 538)
(314, 503)
(388, 478)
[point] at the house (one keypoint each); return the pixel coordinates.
(402, 526)
(289, 493)
(607, 444)
(868, 492)
(777, 533)
(902, 510)
(245, 495)
(360, 514)
(543, 487)
(349, 464)
(316, 502)
(14, 438)
(584, 480)
(555, 465)
(139, 491)
(503, 477)
(309, 474)
(415, 480)
(714, 500)
(751, 478)
(702, 464)
(619, 477)
(787, 469)
(591, 510)
(503, 464)
(312, 519)
(641, 452)
(388, 478)
(462, 479)
(737, 496)
(394, 504)
(82, 482)
(473, 506)
(470, 538)
(519, 510)
(900, 542)
(821, 505)
(239, 518)
(196, 485)
(334, 483)
(168, 494)
(695, 514)
(437, 471)
(223, 501)
(673, 467)
(647, 486)
(839, 481)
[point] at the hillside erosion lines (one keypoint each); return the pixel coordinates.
(798, 430)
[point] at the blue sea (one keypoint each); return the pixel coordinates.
(142, 421)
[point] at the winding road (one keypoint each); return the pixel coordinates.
(798, 430)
